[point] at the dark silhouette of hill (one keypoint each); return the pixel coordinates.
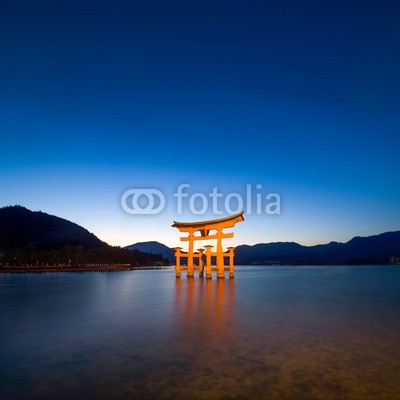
(154, 247)
(376, 249)
(36, 239)
(22, 228)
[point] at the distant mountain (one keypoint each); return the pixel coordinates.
(21, 228)
(376, 249)
(154, 247)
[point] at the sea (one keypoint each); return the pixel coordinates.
(273, 332)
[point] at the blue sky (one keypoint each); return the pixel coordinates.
(300, 97)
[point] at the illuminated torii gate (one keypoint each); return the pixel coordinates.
(203, 228)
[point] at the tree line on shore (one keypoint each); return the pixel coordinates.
(76, 256)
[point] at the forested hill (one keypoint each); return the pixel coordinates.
(36, 238)
(21, 228)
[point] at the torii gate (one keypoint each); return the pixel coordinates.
(204, 228)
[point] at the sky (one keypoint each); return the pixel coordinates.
(299, 98)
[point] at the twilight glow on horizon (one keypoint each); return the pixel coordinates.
(300, 98)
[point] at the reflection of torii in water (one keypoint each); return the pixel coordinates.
(204, 228)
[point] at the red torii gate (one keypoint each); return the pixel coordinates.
(203, 229)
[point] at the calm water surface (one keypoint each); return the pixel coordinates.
(272, 333)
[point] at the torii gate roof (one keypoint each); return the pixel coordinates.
(210, 224)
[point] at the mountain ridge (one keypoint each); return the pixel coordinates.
(374, 249)
(153, 247)
(32, 231)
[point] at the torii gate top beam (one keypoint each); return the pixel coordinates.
(204, 226)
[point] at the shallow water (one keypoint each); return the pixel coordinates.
(272, 333)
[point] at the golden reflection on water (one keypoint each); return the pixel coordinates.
(204, 309)
(204, 341)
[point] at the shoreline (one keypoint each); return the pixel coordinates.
(86, 268)
(60, 268)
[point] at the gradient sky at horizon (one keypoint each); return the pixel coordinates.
(97, 97)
